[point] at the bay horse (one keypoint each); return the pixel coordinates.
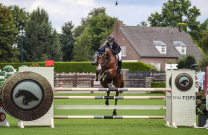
(107, 69)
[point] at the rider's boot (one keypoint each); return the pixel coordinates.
(119, 68)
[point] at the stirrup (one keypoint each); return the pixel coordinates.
(120, 72)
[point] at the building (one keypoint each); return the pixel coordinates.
(153, 45)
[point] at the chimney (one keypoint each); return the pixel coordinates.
(182, 27)
(118, 24)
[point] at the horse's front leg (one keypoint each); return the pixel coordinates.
(114, 112)
(107, 102)
(106, 73)
(105, 85)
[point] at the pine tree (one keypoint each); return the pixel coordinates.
(67, 41)
(40, 41)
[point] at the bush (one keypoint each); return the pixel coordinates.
(82, 66)
(23, 66)
(2, 82)
(7, 76)
(8, 68)
(158, 85)
(2, 73)
(2, 79)
(35, 65)
(186, 61)
(201, 104)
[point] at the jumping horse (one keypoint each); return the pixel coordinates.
(107, 71)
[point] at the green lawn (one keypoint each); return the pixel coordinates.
(104, 126)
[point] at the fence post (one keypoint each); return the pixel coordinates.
(75, 79)
(148, 81)
(92, 81)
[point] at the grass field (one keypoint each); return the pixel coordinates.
(104, 126)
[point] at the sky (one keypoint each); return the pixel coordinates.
(131, 12)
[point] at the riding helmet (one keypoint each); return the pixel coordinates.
(110, 39)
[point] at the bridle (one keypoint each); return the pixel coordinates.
(107, 59)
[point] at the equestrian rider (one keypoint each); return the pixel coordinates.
(115, 48)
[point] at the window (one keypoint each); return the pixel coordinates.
(163, 49)
(123, 51)
(183, 49)
(160, 46)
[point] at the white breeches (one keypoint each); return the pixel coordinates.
(119, 56)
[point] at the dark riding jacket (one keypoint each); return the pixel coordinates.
(115, 47)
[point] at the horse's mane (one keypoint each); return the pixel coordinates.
(103, 48)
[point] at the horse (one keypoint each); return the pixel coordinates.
(107, 69)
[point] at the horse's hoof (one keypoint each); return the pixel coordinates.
(107, 102)
(114, 113)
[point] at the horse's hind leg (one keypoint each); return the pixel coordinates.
(114, 112)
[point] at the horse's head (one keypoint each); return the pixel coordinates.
(102, 58)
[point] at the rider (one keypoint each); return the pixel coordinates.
(115, 48)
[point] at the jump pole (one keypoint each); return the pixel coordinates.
(111, 107)
(112, 89)
(109, 117)
(109, 97)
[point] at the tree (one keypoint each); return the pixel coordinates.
(82, 47)
(67, 41)
(99, 28)
(41, 41)
(143, 23)
(204, 44)
(8, 52)
(20, 18)
(186, 61)
(80, 28)
(84, 21)
(203, 62)
(177, 11)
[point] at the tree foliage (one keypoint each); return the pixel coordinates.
(186, 61)
(178, 11)
(67, 41)
(98, 26)
(8, 52)
(84, 21)
(204, 44)
(143, 23)
(203, 62)
(20, 18)
(41, 42)
(82, 47)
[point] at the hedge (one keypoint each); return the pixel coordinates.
(158, 85)
(81, 66)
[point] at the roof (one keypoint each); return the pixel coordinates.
(142, 39)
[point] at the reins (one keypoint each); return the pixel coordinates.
(105, 64)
